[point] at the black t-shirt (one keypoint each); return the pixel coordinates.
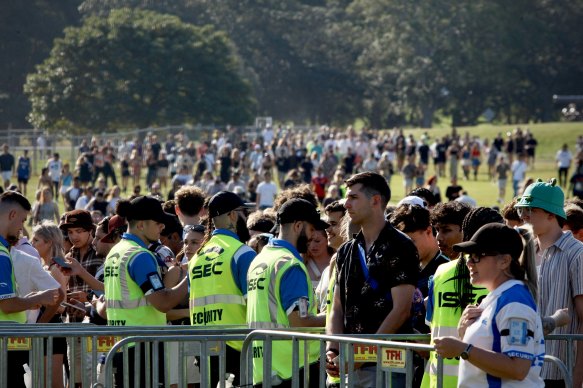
(6, 162)
(348, 163)
(452, 192)
(424, 153)
(441, 150)
(156, 147)
(307, 167)
(429, 271)
(391, 261)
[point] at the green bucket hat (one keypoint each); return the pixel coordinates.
(544, 195)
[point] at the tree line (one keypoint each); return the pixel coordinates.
(390, 62)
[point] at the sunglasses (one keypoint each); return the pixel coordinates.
(264, 237)
(522, 211)
(475, 258)
(194, 228)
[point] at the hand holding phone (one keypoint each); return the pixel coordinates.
(61, 262)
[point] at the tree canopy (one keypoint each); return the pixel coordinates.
(389, 62)
(138, 68)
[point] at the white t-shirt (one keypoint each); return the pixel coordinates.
(267, 193)
(55, 167)
(31, 276)
(510, 325)
(82, 202)
(564, 158)
(518, 170)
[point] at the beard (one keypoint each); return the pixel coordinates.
(302, 243)
(242, 231)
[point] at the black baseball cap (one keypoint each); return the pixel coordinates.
(298, 209)
(226, 201)
(494, 237)
(149, 208)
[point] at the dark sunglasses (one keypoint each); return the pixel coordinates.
(475, 258)
(194, 228)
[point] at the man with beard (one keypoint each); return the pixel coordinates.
(134, 292)
(217, 276)
(377, 275)
(280, 293)
(14, 208)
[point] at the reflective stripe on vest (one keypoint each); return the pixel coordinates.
(125, 300)
(20, 316)
(126, 304)
(215, 299)
(265, 311)
(444, 322)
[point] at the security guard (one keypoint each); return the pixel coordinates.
(218, 276)
(134, 291)
(14, 209)
(280, 295)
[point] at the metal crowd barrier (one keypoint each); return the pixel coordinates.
(108, 339)
(393, 356)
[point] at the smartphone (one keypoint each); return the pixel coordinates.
(65, 304)
(93, 293)
(61, 262)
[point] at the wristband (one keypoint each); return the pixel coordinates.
(335, 351)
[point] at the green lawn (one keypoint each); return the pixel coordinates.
(550, 137)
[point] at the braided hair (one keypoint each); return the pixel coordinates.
(474, 220)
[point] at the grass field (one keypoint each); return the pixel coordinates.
(550, 137)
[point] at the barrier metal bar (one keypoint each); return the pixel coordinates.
(568, 378)
(3, 361)
(87, 334)
(203, 338)
(267, 336)
(570, 361)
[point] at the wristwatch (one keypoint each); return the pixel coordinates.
(466, 353)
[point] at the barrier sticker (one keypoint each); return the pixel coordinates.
(390, 357)
(18, 343)
(394, 358)
(104, 343)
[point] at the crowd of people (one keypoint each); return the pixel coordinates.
(295, 230)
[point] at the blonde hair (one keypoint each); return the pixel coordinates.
(49, 231)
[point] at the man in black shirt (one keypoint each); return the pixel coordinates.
(377, 274)
(7, 165)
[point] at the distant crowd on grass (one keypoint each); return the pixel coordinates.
(348, 176)
(257, 166)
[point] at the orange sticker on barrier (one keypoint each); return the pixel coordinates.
(104, 343)
(394, 358)
(390, 357)
(18, 343)
(365, 353)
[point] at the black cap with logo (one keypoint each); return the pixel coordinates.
(226, 201)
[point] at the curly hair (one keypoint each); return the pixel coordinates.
(190, 200)
(302, 191)
(452, 212)
(474, 220)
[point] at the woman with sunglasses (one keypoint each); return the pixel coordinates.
(502, 339)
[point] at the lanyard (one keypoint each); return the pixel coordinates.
(369, 279)
(373, 283)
